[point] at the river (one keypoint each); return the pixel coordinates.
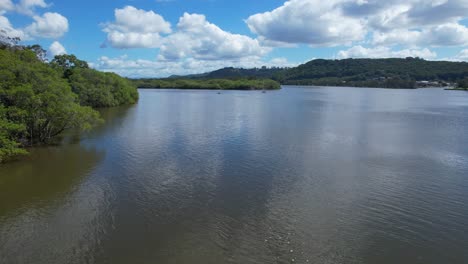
(300, 175)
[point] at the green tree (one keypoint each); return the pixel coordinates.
(463, 84)
(9, 137)
(100, 89)
(41, 53)
(67, 63)
(6, 41)
(35, 96)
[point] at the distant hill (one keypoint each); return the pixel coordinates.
(235, 73)
(392, 73)
(263, 72)
(388, 73)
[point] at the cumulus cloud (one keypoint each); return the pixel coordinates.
(314, 22)
(451, 34)
(391, 22)
(136, 28)
(56, 49)
(10, 31)
(391, 14)
(197, 38)
(49, 25)
(194, 37)
(27, 7)
(385, 52)
(5, 5)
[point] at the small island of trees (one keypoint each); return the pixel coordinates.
(209, 84)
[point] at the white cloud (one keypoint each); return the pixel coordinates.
(136, 28)
(451, 34)
(49, 25)
(194, 37)
(199, 39)
(149, 68)
(314, 22)
(10, 31)
(56, 49)
(337, 22)
(5, 5)
(27, 7)
(397, 14)
(463, 55)
(385, 52)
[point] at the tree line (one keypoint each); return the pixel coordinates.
(209, 84)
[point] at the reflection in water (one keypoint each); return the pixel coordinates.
(300, 175)
(37, 200)
(49, 174)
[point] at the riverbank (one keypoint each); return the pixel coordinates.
(457, 89)
(361, 87)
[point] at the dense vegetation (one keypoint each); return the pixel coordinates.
(94, 88)
(213, 84)
(463, 84)
(40, 100)
(387, 73)
(391, 73)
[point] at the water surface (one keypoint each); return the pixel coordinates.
(301, 175)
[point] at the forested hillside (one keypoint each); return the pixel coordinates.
(233, 73)
(386, 73)
(41, 100)
(392, 73)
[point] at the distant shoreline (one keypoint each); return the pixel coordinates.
(289, 85)
(457, 89)
(364, 87)
(208, 84)
(206, 89)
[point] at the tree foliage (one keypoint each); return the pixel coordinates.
(67, 64)
(66, 61)
(9, 137)
(463, 84)
(41, 53)
(94, 88)
(39, 101)
(390, 73)
(101, 89)
(36, 96)
(6, 41)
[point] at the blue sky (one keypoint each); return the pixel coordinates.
(157, 38)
